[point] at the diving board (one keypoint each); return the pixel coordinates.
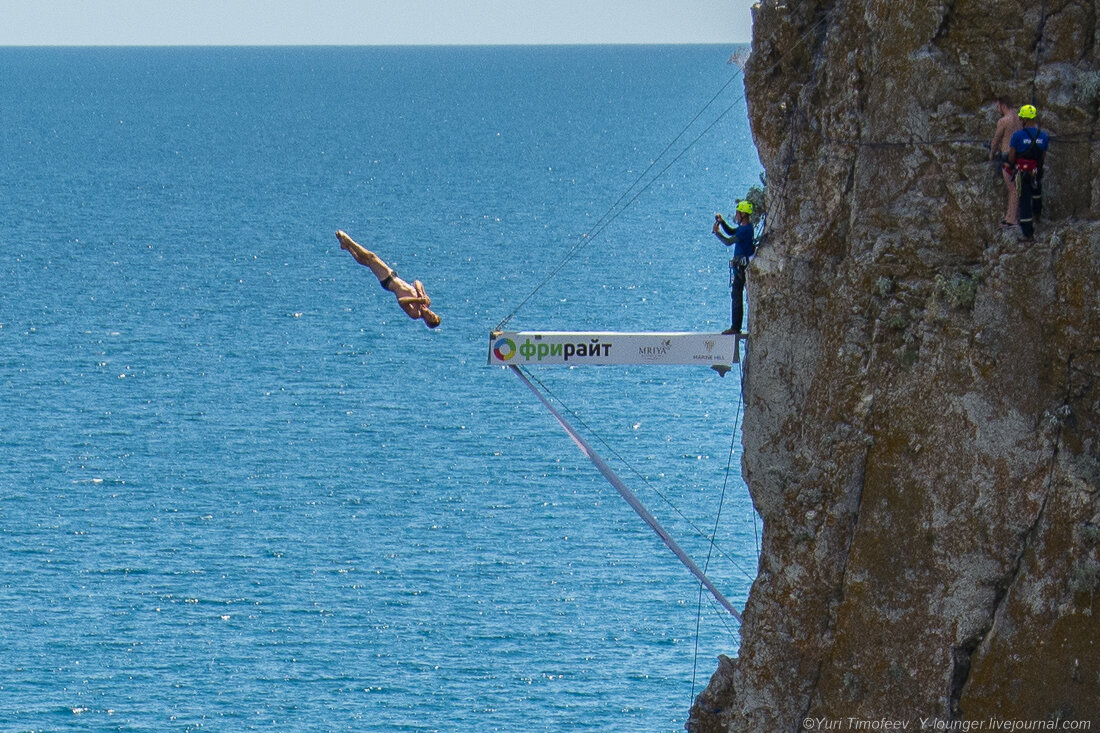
(577, 348)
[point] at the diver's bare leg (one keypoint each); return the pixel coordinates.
(364, 256)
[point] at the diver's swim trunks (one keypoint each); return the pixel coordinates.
(385, 282)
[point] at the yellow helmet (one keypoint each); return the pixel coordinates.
(1028, 112)
(745, 207)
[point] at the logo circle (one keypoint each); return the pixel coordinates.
(504, 349)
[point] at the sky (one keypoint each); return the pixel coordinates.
(370, 22)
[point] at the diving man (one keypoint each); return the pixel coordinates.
(412, 298)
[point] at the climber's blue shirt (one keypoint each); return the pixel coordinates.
(744, 246)
(1022, 141)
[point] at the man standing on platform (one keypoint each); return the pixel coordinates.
(741, 239)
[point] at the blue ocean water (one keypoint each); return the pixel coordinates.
(242, 491)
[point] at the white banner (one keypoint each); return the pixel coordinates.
(572, 348)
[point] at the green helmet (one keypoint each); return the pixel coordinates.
(744, 207)
(1028, 112)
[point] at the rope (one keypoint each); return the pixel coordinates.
(608, 217)
(606, 220)
(1068, 138)
(785, 178)
(714, 533)
(1038, 49)
(725, 483)
(662, 154)
(752, 508)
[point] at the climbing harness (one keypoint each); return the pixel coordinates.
(737, 269)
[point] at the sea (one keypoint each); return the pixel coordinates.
(242, 491)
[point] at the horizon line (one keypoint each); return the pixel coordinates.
(458, 44)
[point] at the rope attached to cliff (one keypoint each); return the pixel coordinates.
(618, 208)
(1070, 138)
(738, 414)
(626, 199)
(1038, 49)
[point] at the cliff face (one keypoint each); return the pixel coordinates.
(922, 434)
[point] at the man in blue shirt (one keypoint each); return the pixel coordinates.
(1027, 152)
(741, 238)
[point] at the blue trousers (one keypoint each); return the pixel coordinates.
(737, 293)
(1031, 201)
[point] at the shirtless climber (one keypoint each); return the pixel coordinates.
(412, 298)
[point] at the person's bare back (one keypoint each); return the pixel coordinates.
(1007, 124)
(412, 298)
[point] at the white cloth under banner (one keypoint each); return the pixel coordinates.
(578, 348)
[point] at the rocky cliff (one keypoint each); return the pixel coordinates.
(922, 434)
